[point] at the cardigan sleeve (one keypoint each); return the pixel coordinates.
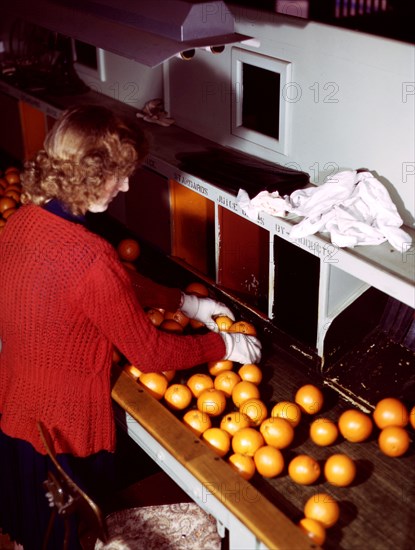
(151, 294)
(107, 298)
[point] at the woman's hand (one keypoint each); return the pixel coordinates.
(204, 310)
(242, 348)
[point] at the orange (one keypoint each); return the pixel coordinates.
(255, 409)
(11, 169)
(226, 381)
(155, 316)
(116, 355)
(14, 187)
(197, 421)
(155, 383)
(251, 373)
(234, 421)
(178, 316)
(412, 417)
(133, 371)
(212, 402)
(323, 432)
(12, 193)
(9, 212)
(243, 464)
(340, 470)
(355, 426)
(277, 432)
(215, 367)
(169, 374)
(178, 396)
(243, 391)
(218, 440)
(304, 469)
(224, 323)
(309, 398)
(243, 327)
(169, 325)
(12, 176)
(199, 382)
(393, 441)
(198, 289)
(287, 410)
(390, 412)
(314, 530)
(269, 461)
(128, 249)
(129, 265)
(324, 508)
(195, 324)
(247, 441)
(6, 203)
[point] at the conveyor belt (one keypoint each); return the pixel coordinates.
(378, 509)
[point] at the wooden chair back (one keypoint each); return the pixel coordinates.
(68, 499)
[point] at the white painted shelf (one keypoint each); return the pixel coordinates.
(345, 273)
(380, 266)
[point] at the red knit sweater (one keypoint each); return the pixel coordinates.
(65, 300)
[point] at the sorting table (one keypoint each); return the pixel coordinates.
(254, 523)
(377, 511)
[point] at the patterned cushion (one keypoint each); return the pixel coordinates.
(183, 526)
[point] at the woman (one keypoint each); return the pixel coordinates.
(66, 300)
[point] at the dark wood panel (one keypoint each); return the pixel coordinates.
(147, 209)
(244, 259)
(11, 137)
(193, 229)
(297, 276)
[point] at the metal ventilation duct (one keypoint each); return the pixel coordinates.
(148, 31)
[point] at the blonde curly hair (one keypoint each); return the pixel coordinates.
(86, 146)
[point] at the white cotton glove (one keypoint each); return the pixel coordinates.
(242, 348)
(204, 310)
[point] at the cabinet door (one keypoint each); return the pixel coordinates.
(193, 229)
(244, 259)
(297, 277)
(147, 208)
(33, 123)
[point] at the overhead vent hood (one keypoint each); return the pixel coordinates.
(147, 31)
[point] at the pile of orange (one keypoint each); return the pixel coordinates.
(10, 193)
(222, 405)
(321, 511)
(392, 417)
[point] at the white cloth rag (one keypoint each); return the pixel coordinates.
(354, 208)
(271, 203)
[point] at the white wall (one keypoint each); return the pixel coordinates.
(351, 104)
(126, 80)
